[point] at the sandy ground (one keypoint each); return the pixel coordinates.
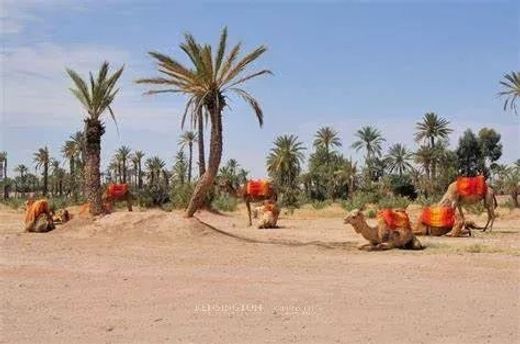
(155, 277)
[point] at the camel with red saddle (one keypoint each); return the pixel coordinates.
(437, 221)
(117, 193)
(468, 191)
(38, 216)
(392, 231)
(256, 191)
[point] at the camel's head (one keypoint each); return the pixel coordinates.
(353, 217)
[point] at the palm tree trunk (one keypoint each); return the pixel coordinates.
(124, 171)
(215, 155)
(190, 161)
(93, 132)
(140, 177)
(202, 160)
(45, 178)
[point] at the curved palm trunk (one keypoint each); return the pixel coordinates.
(215, 155)
(202, 160)
(93, 132)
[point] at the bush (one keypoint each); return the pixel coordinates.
(321, 204)
(152, 196)
(393, 202)
(225, 202)
(181, 195)
(371, 213)
(359, 200)
(58, 203)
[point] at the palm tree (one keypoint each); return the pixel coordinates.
(511, 84)
(425, 156)
(370, 139)
(155, 165)
(122, 155)
(326, 137)
(187, 139)
(22, 169)
(180, 168)
(42, 160)
(95, 97)
(285, 159)
(208, 85)
(430, 129)
(137, 160)
(399, 159)
(3, 165)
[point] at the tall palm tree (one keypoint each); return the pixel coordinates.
(200, 143)
(96, 96)
(511, 92)
(327, 137)
(187, 139)
(137, 160)
(3, 165)
(370, 139)
(398, 159)
(122, 155)
(42, 160)
(430, 129)
(285, 159)
(208, 83)
(155, 165)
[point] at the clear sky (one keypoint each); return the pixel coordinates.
(339, 63)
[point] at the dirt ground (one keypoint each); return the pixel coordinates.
(155, 277)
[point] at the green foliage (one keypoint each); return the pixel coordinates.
(318, 205)
(360, 199)
(469, 155)
(225, 202)
(393, 202)
(56, 203)
(371, 213)
(180, 195)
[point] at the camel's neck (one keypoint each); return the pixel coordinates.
(368, 232)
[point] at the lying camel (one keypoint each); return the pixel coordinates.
(116, 192)
(61, 216)
(383, 236)
(270, 212)
(456, 196)
(438, 221)
(38, 217)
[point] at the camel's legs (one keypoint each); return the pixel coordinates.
(248, 205)
(491, 217)
(367, 247)
(384, 246)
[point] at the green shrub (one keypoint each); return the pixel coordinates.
(321, 204)
(359, 200)
(371, 213)
(393, 202)
(225, 202)
(58, 203)
(181, 195)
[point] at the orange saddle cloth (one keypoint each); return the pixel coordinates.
(116, 191)
(36, 209)
(471, 186)
(258, 188)
(438, 217)
(394, 218)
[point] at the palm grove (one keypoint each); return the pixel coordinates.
(214, 75)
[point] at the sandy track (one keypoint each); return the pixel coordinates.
(153, 277)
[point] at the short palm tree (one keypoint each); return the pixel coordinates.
(137, 160)
(430, 129)
(284, 162)
(22, 169)
(398, 159)
(154, 165)
(187, 139)
(326, 138)
(208, 83)
(95, 95)
(122, 155)
(511, 92)
(370, 139)
(42, 160)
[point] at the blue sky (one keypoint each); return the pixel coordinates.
(340, 63)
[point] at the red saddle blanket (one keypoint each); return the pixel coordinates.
(116, 191)
(394, 218)
(472, 186)
(438, 217)
(258, 188)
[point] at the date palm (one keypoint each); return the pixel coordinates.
(122, 156)
(41, 161)
(96, 96)
(187, 139)
(284, 162)
(137, 160)
(154, 165)
(208, 84)
(22, 169)
(430, 129)
(3, 164)
(370, 139)
(326, 138)
(398, 159)
(511, 92)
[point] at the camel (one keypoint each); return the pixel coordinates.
(382, 237)
(38, 217)
(270, 212)
(456, 228)
(61, 216)
(453, 198)
(117, 192)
